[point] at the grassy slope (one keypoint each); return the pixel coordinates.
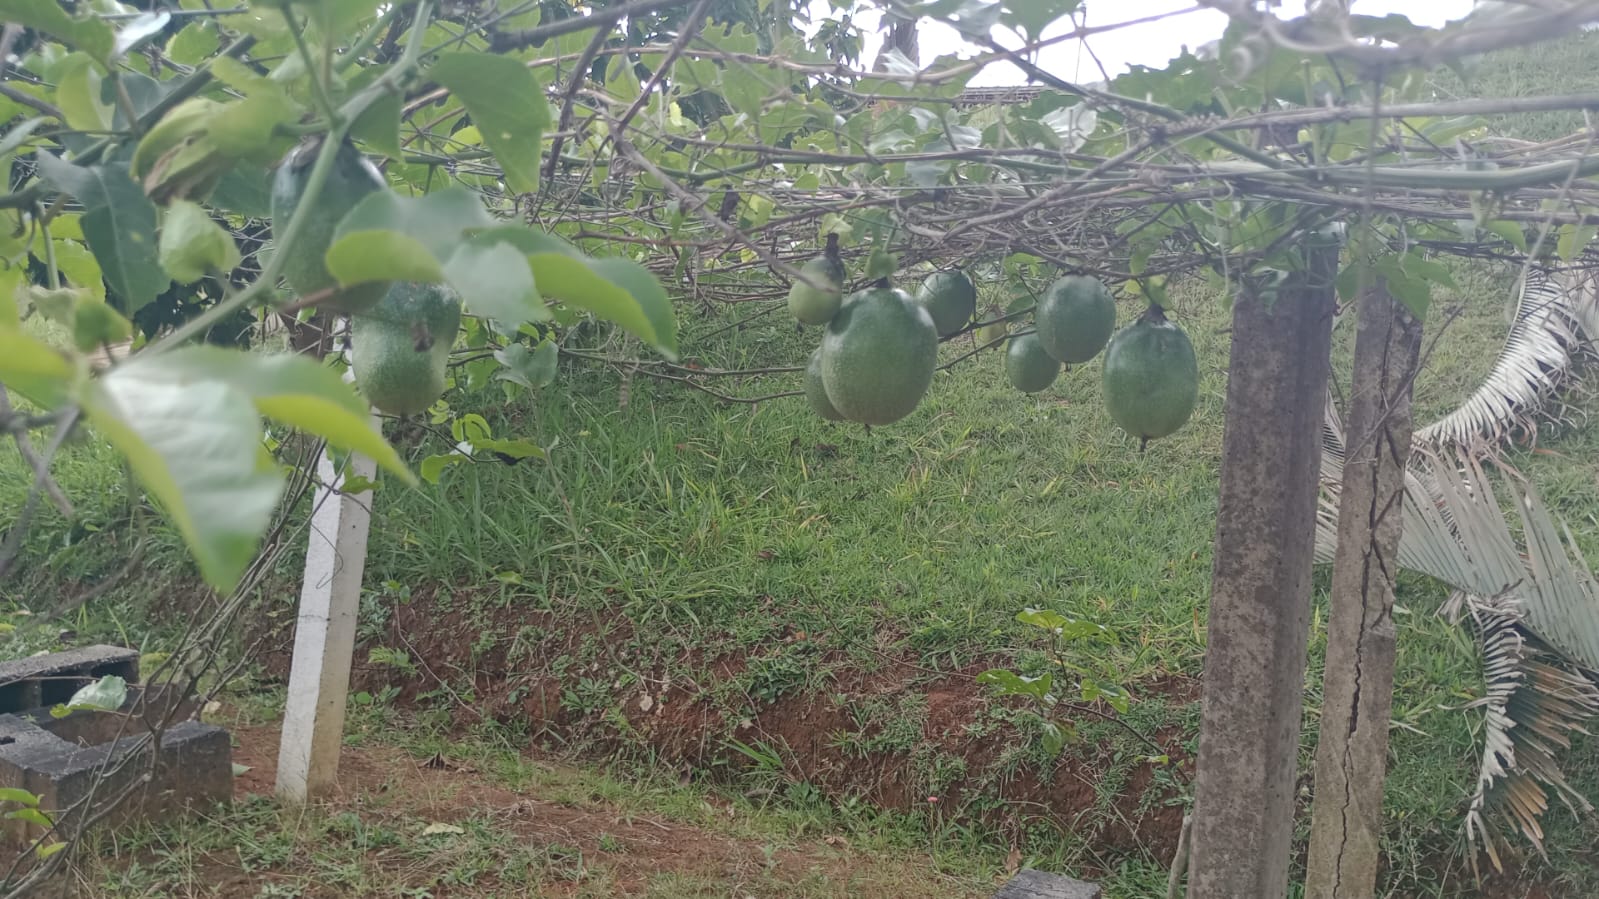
(687, 513)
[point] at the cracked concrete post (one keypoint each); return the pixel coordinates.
(1243, 822)
(1351, 756)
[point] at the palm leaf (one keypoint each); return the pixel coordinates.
(1556, 321)
(1534, 702)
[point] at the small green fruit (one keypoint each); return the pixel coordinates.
(951, 298)
(1151, 377)
(817, 305)
(1076, 318)
(1029, 368)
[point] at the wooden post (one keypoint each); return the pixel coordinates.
(1243, 820)
(1352, 753)
(324, 637)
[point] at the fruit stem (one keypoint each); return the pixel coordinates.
(1142, 442)
(882, 283)
(832, 246)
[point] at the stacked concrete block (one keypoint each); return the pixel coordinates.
(92, 764)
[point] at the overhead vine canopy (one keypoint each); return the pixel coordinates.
(715, 156)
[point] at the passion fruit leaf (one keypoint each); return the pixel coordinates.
(32, 816)
(293, 390)
(614, 289)
(195, 445)
(193, 44)
(19, 796)
(333, 17)
(506, 103)
(532, 369)
(78, 84)
(79, 266)
(433, 466)
(34, 369)
(1573, 239)
(438, 221)
(119, 225)
(494, 280)
(1509, 231)
(89, 34)
(95, 324)
(17, 135)
(368, 256)
(193, 245)
(378, 126)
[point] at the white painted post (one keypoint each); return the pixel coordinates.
(324, 639)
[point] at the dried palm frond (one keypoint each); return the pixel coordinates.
(1534, 702)
(1556, 322)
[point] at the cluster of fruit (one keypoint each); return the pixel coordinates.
(401, 332)
(880, 347)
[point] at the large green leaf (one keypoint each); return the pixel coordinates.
(378, 127)
(532, 369)
(119, 224)
(508, 106)
(89, 34)
(78, 265)
(195, 445)
(291, 389)
(367, 256)
(650, 296)
(616, 289)
(33, 368)
(494, 280)
(248, 128)
(437, 221)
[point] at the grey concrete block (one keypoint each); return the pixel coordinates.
(1038, 885)
(83, 762)
(194, 766)
(43, 681)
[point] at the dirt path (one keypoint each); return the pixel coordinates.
(399, 826)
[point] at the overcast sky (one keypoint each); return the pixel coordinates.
(1152, 44)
